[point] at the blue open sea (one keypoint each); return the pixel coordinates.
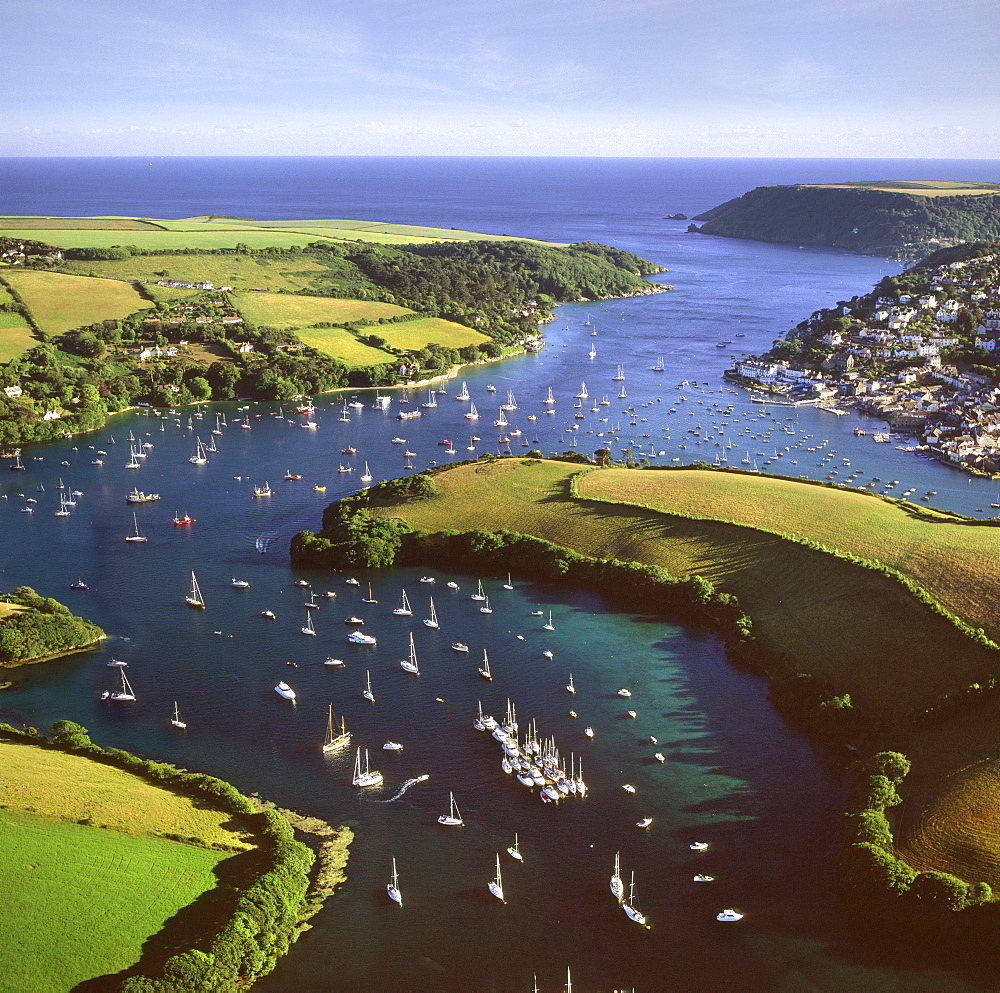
(733, 776)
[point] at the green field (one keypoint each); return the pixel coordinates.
(242, 272)
(102, 888)
(220, 232)
(281, 310)
(859, 629)
(952, 558)
(343, 346)
(80, 902)
(925, 188)
(413, 335)
(15, 337)
(61, 303)
(36, 780)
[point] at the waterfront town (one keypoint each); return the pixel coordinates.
(921, 352)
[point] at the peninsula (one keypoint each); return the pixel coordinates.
(97, 314)
(900, 219)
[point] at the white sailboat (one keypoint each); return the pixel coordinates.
(194, 598)
(484, 669)
(368, 695)
(332, 742)
(593, 351)
(496, 886)
(410, 664)
(393, 888)
(463, 394)
(508, 585)
(583, 394)
(570, 688)
(659, 364)
(617, 886)
(124, 694)
(453, 818)
(138, 535)
(199, 457)
(501, 421)
(631, 907)
(472, 414)
(479, 594)
(432, 621)
(486, 608)
(549, 626)
(514, 851)
(511, 403)
(620, 377)
(176, 719)
(369, 598)
(367, 776)
(550, 399)
(403, 610)
(366, 476)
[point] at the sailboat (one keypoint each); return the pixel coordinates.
(514, 851)
(366, 476)
(549, 399)
(583, 394)
(410, 664)
(570, 688)
(309, 629)
(508, 585)
(333, 742)
(403, 610)
(620, 377)
(176, 719)
(486, 608)
(472, 414)
(393, 888)
(138, 536)
(496, 886)
(463, 394)
(484, 669)
(193, 599)
(617, 886)
(479, 594)
(432, 621)
(593, 351)
(125, 693)
(631, 907)
(549, 626)
(199, 457)
(511, 403)
(659, 364)
(453, 818)
(501, 421)
(368, 695)
(366, 776)
(369, 598)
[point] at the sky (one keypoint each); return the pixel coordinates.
(851, 78)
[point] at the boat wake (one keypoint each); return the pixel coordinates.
(404, 788)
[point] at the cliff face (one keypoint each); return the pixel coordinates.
(864, 218)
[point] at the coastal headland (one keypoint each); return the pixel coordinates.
(901, 219)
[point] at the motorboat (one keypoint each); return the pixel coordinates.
(729, 915)
(392, 746)
(624, 692)
(459, 646)
(644, 823)
(628, 787)
(698, 846)
(702, 878)
(240, 584)
(284, 690)
(360, 638)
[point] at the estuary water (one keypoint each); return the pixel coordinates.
(733, 775)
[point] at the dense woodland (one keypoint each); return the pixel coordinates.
(503, 289)
(43, 629)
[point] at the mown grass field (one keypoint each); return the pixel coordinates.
(34, 780)
(15, 337)
(61, 303)
(953, 560)
(862, 631)
(344, 347)
(281, 310)
(413, 335)
(79, 902)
